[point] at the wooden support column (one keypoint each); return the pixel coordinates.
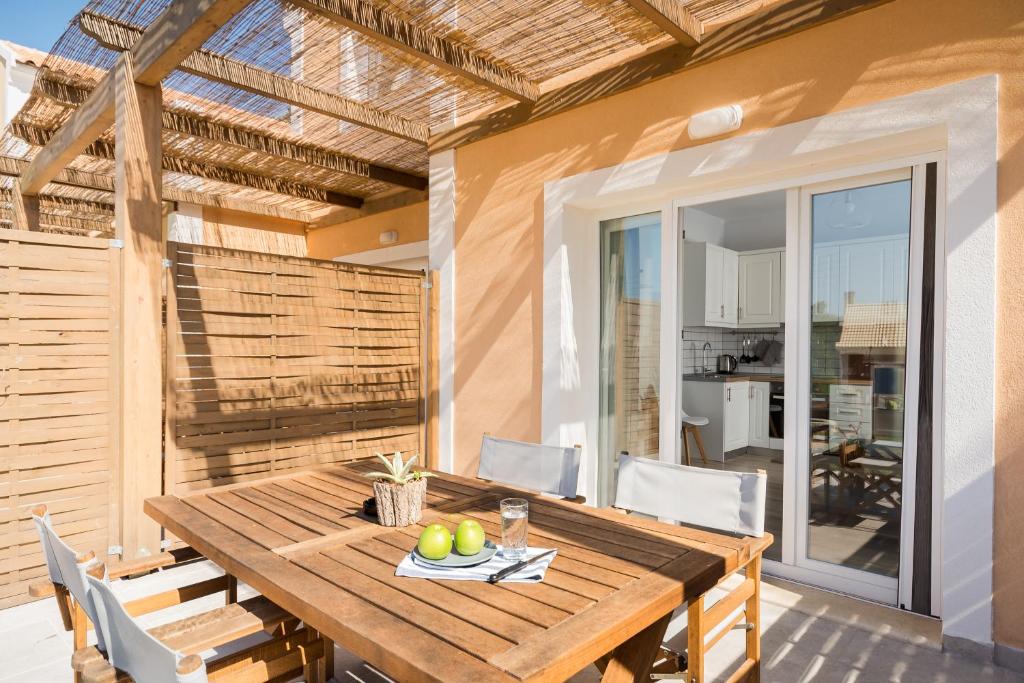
(138, 223)
(24, 208)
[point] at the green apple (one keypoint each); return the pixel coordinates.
(469, 537)
(435, 542)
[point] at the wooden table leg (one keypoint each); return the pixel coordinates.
(632, 661)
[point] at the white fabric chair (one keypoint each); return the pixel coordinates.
(730, 502)
(549, 469)
(733, 502)
(66, 570)
(253, 641)
(132, 650)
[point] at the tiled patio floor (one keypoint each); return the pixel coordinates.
(809, 635)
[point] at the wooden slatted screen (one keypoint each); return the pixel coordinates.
(57, 389)
(282, 363)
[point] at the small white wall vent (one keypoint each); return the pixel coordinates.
(713, 122)
(389, 237)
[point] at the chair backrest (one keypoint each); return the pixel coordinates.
(130, 648)
(549, 469)
(733, 502)
(66, 567)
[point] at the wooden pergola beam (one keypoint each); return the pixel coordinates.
(183, 27)
(117, 35)
(773, 23)
(388, 28)
(369, 208)
(73, 177)
(672, 18)
(201, 169)
(244, 138)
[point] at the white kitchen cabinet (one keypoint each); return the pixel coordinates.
(710, 275)
(736, 416)
(727, 407)
(760, 299)
(759, 415)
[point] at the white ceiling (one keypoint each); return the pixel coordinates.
(767, 206)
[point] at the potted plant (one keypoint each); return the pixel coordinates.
(399, 491)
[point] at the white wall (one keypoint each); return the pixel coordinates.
(703, 227)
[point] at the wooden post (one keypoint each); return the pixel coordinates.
(24, 208)
(138, 224)
(431, 376)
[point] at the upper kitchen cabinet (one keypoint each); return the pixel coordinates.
(710, 277)
(761, 297)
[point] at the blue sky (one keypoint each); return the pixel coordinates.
(37, 23)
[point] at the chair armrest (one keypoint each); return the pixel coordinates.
(142, 565)
(43, 588)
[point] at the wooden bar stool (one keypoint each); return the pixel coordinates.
(692, 425)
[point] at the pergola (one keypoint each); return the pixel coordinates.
(323, 111)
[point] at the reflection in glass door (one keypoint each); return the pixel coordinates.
(630, 342)
(860, 240)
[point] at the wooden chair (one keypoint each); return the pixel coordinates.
(731, 502)
(171, 653)
(67, 584)
(553, 470)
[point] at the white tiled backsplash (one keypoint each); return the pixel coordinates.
(727, 341)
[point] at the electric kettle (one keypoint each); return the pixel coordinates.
(727, 364)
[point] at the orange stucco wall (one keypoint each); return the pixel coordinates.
(239, 230)
(363, 234)
(901, 47)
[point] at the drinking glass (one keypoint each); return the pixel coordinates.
(514, 515)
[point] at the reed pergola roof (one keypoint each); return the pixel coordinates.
(325, 110)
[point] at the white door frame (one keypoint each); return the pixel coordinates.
(959, 120)
(893, 591)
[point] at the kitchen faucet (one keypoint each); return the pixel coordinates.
(704, 357)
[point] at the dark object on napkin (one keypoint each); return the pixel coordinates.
(370, 507)
(772, 353)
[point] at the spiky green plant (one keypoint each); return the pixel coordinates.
(398, 471)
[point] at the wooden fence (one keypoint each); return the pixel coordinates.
(58, 385)
(282, 363)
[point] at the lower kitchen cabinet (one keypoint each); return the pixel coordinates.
(759, 414)
(727, 407)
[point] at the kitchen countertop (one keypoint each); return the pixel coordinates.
(734, 377)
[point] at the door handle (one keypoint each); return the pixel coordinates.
(728, 394)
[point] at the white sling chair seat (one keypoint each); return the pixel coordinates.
(731, 502)
(130, 648)
(549, 469)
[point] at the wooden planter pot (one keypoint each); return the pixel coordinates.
(400, 504)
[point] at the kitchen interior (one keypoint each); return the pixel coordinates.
(733, 346)
(734, 338)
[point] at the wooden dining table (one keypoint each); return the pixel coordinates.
(303, 542)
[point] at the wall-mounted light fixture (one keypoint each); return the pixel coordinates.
(389, 237)
(713, 122)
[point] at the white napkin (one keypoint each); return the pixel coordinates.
(534, 573)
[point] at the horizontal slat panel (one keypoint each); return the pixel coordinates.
(55, 398)
(285, 363)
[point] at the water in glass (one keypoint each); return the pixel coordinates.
(514, 515)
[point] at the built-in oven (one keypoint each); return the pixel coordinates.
(776, 409)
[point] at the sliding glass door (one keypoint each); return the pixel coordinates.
(856, 454)
(630, 341)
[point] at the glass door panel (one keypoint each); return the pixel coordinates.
(859, 261)
(630, 341)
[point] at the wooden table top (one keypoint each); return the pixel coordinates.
(301, 540)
